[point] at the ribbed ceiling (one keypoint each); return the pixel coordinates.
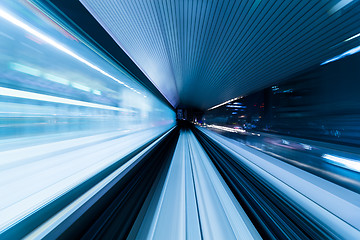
(200, 53)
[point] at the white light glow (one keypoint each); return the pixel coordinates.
(81, 87)
(351, 38)
(97, 92)
(226, 128)
(5, 15)
(56, 79)
(25, 69)
(347, 53)
(8, 92)
(341, 4)
(221, 104)
(343, 162)
(306, 146)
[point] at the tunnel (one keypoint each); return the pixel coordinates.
(179, 119)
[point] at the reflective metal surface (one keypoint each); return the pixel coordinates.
(202, 53)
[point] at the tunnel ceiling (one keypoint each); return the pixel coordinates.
(202, 53)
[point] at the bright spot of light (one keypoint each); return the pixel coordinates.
(351, 38)
(341, 4)
(81, 87)
(8, 92)
(306, 146)
(221, 104)
(347, 53)
(226, 128)
(25, 69)
(97, 92)
(56, 79)
(343, 162)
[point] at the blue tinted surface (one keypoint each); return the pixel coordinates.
(66, 112)
(39, 57)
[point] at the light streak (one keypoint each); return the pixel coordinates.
(12, 19)
(221, 104)
(347, 53)
(343, 162)
(8, 92)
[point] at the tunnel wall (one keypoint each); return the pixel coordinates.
(51, 82)
(322, 103)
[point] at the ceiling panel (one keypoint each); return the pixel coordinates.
(200, 53)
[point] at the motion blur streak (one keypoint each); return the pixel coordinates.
(195, 202)
(347, 53)
(55, 44)
(341, 4)
(41, 97)
(71, 208)
(343, 162)
(319, 197)
(63, 126)
(179, 119)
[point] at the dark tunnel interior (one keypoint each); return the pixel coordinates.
(135, 119)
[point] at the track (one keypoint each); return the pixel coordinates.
(281, 204)
(190, 183)
(195, 202)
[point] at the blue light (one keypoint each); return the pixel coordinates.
(235, 106)
(25, 69)
(56, 79)
(288, 91)
(347, 53)
(343, 162)
(81, 87)
(97, 92)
